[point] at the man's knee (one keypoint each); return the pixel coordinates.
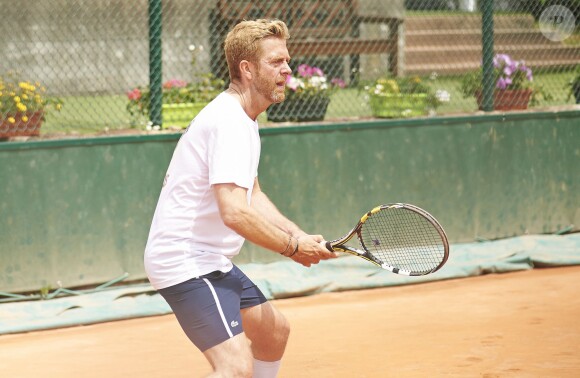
(284, 328)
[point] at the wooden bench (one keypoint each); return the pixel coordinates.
(317, 28)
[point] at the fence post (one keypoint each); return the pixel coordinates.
(487, 33)
(155, 56)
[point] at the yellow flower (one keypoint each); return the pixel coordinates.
(58, 106)
(394, 86)
(11, 120)
(22, 96)
(27, 86)
(24, 119)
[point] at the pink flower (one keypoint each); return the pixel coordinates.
(307, 71)
(135, 94)
(317, 71)
(304, 70)
(174, 83)
(292, 83)
(338, 82)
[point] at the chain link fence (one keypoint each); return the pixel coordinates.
(85, 65)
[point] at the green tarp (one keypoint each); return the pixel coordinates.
(287, 279)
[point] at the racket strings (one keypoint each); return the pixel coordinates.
(404, 239)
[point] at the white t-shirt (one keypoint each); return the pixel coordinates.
(188, 237)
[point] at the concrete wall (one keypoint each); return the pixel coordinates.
(78, 211)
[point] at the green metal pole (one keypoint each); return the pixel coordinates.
(155, 69)
(487, 32)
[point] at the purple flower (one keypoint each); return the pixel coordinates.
(503, 83)
(502, 59)
(508, 70)
(528, 72)
(512, 74)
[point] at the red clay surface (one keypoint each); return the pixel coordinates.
(524, 324)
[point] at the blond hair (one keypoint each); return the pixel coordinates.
(241, 43)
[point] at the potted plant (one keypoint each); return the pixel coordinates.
(403, 97)
(23, 106)
(513, 83)
(181, 100)
(574, 86)
(307, 96)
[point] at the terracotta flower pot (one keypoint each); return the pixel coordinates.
(25, 124)
(507, 99)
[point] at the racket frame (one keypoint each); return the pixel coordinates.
(340, 244)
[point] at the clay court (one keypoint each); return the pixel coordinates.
(522, 324)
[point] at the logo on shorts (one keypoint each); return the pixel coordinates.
(234, 323)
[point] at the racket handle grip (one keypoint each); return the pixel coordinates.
(327, 245)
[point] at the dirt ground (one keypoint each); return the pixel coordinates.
(524, 324)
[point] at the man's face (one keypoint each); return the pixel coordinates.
(272, 70)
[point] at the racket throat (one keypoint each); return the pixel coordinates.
(347, 249)
(359, 253)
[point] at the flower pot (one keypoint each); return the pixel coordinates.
(20, 127)
(507, 99)
(181, 114)
(298, 110)
(399, 105)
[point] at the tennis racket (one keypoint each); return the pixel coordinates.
(401, 238)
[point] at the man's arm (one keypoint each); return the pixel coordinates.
(264, 206)
(255, 227)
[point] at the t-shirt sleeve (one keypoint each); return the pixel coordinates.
(230, 154)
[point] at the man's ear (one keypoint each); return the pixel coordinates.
(246, 69)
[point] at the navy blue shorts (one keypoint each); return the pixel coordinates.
(208, 307)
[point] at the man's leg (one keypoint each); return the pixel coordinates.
(208, 310)
(268, 332)
(232, 358)
(267, 329)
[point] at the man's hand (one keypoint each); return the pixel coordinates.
(310, 251)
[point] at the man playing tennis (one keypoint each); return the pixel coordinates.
(211, 201)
